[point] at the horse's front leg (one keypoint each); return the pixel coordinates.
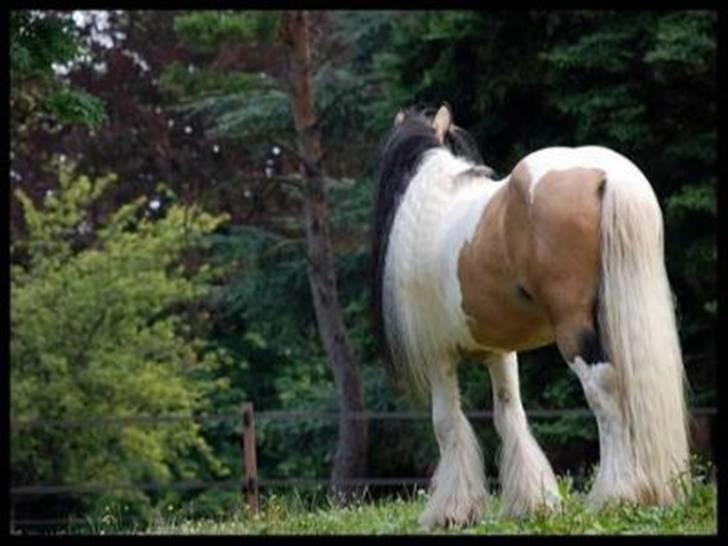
(458, 487)
(527, 480)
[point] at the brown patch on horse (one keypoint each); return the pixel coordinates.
(548, 249)
(498, 315)
(564, 264)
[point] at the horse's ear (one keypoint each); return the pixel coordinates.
(399, 118)
(442, 122)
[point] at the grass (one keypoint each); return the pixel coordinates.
(291, 515)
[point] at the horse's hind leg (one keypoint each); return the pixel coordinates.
(618, 476)
(458, 484)
(527, 480)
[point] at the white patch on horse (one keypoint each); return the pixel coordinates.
(464, 213)
(615, 165)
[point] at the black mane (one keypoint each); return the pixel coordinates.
(400, 156)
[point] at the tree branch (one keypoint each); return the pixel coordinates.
(310, 167)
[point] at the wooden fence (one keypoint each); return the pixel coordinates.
(250, 483)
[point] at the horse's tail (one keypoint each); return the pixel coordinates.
(638, 330)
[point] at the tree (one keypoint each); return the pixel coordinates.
(275, 109)
(350, 459)
(98, 331)
(40, 42)
(42, 45)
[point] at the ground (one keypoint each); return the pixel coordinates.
(290, 514)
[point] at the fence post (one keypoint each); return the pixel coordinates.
(251, 471)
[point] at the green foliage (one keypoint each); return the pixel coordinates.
(254, 107)
(685, 38)
(233, 103)
(268, 299)
(98, 333)
(38, 41)
(74, 106)
(698, 197)
(208, 30)
(179, 81)
(252, 115)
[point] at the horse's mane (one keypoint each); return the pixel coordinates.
(401, 153)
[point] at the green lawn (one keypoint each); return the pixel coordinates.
(291, 515)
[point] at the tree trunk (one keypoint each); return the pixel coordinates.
(350, 458)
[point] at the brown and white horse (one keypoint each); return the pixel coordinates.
(568, 248)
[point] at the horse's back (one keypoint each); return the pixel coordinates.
(536, 165)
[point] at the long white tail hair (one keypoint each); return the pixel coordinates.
(638, 329)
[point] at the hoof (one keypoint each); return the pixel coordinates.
(522, 508)
(453, 513)
(615, 493)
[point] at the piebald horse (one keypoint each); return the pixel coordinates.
(568, 248)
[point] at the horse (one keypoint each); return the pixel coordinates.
(568, 248)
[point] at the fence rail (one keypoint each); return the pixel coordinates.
(280, 415)
(251, 482)
(46, 489)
